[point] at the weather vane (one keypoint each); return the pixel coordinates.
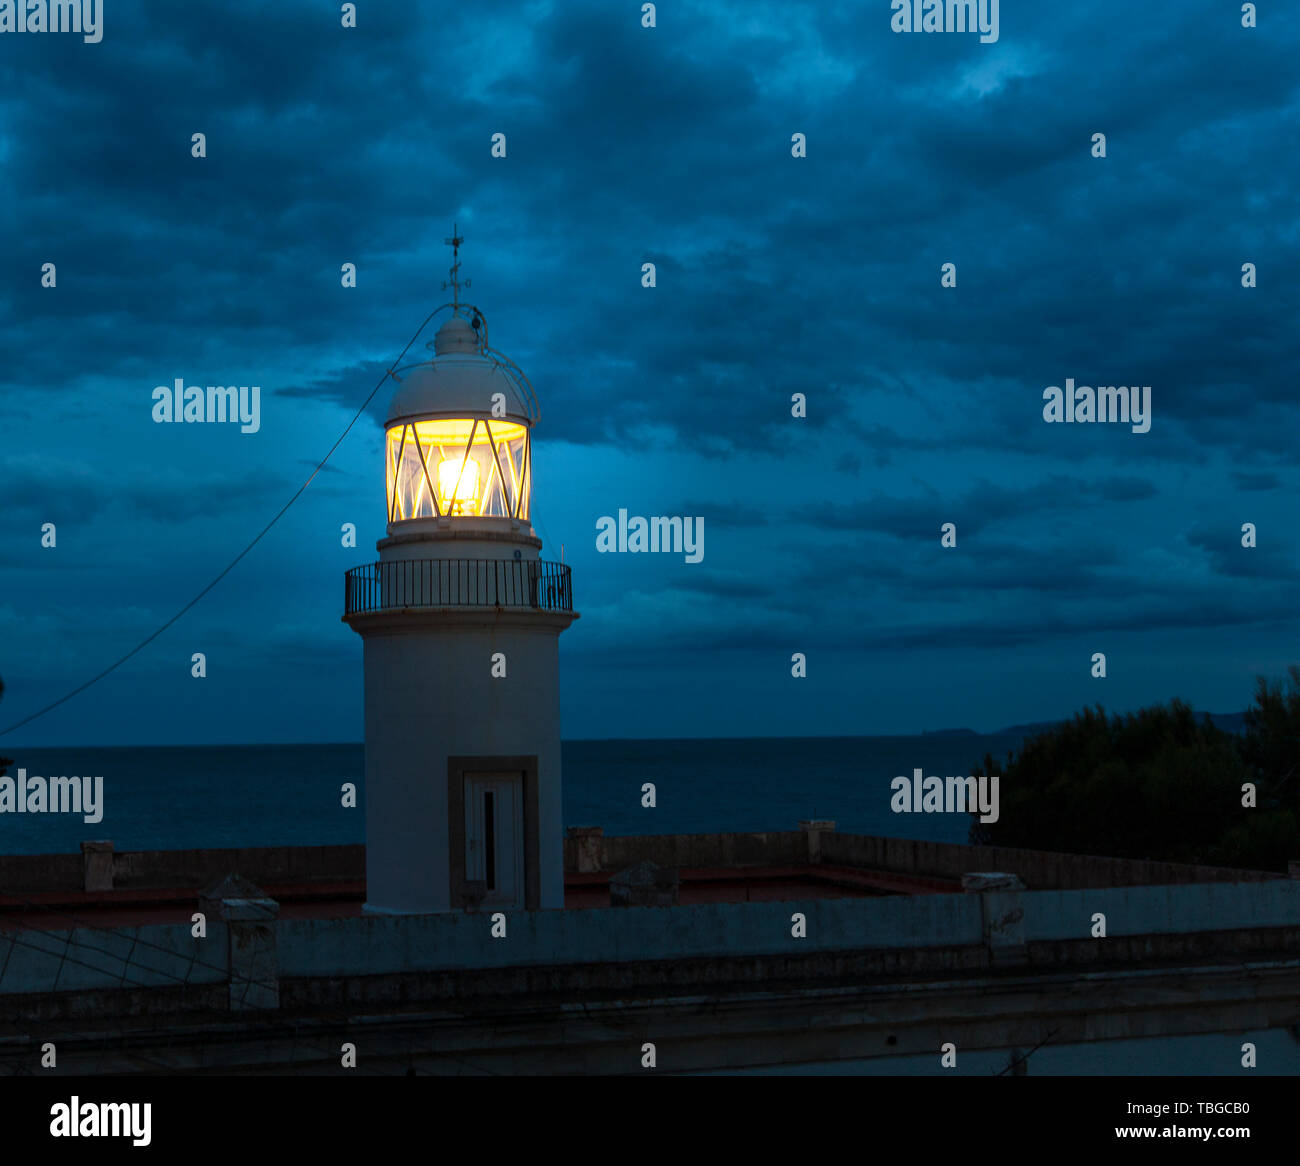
(454, 283)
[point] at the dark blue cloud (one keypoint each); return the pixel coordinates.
(775, 276)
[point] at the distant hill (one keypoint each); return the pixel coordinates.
(1228, 722)
(1028, 730)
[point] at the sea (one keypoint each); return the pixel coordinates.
(209, 796)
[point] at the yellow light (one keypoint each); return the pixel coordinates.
(424, 476)
(456, 431)
(463, 485)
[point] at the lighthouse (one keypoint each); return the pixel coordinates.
(460, 621)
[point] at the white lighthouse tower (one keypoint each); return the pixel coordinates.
(461, 621)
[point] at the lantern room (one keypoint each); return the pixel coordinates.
(457, 439)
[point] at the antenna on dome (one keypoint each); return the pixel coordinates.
(454, 283)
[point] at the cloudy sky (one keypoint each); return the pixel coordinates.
(776, 275)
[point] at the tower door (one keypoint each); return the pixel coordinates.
(494, 836)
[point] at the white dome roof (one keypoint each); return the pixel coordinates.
(460, 381)
(457, 334)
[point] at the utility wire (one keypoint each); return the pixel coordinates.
(126, 962)
(1013, 1060)
(82, 924)
(231, 565)
(332, 1021)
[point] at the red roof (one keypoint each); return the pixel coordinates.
(55, 910)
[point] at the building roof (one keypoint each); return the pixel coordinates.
(462, 379)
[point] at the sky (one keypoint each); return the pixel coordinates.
(775, 275)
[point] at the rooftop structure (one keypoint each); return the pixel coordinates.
(781, 949)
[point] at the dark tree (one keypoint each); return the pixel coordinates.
(1158, 784)
(1270, 747)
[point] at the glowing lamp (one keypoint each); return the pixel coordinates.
(458, 485)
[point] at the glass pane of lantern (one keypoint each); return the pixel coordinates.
(524, 461)
(474, 467)
(390, 462)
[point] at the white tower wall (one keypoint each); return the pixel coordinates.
(430, 696)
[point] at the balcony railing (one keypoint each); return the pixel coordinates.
(517, 583)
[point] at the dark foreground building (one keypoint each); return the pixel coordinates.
(689, 953)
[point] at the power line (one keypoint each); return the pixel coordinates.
(126, 962)
(1014, 1062)
(231, 565)
(333, 1020)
